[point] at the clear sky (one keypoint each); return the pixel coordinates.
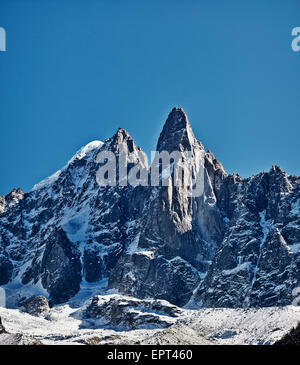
(74, 71)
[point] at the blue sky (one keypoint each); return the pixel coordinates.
(75, 71)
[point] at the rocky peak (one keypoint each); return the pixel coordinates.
(123, 143)
(276, 168)
(177, 120)
(2, 203)
(11, 199)
(124, 139)
(14, 195)
(279, 180)
(177, 133)
(213, 161)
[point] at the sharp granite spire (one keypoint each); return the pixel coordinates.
(177, 133)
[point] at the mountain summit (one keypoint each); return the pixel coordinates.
(177, 133)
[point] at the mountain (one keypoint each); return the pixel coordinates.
(237, 244)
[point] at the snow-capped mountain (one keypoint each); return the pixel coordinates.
(236, 245)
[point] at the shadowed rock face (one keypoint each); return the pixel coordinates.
(236, 245)
(291, 338)
(2, 329)
(59, 268)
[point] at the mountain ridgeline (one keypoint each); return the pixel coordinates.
(236, 245)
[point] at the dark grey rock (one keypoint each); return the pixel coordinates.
(2, 329)
(35, 305)
(58, 268)
(131, 313)
(290, 338)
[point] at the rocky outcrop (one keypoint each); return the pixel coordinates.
(2, 203)
(2, 329)
(35, 305)
(10, 199)
(131, 313)
(291, 338)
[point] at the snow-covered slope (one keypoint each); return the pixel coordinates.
(67, 324)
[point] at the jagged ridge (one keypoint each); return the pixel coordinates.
(237, 245)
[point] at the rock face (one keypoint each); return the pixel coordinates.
(258, 261)
(130, 313)
(35, 306)
(2, 329)
(178, 234)
(291, 338)
(10, 199)
(60, 267)
(237, 244)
